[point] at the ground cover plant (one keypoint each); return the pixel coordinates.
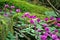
(15, 25)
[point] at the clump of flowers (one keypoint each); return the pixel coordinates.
(32, 18)
(46, 30)
(6, 6)
(12, 7)
(18, 10)
(10, 10)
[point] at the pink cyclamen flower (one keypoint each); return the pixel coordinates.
(10, 11)
(58, 19)
(55, 30)
(46, 34)
(6, 5)
(55, 23)
(38, 30)
(5, 14)
(46, 19)
(12, 7)
(38, 20)
(43, 37)
(54, 36)
(58, 24)
(32, 21)
(27, 14)
(44, 25)
(33, 17)
(52, 18)
(30, 16)
(23, 17)
(18, 10)
(57, 39)
(47, 29)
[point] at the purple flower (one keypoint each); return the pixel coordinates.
(43, 37)
(58, 19)
(23, 17)
(58, 24)
(33, 17)
(55, 30)
(57, 39)
(27, 14)
(17, 10)
(44, 25)
(12, 7)
(30, 16)
(55, 23)
(38, 30)
(46, 19)
(5, 14)
(38, 20)
(10, 11)
(32, 21)
(51, 18)
(46, 34)
(54, 36)
(47, 29)
(6, 5)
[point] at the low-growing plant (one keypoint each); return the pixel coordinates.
(14, 26)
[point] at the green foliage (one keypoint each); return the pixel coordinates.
(10, 36)
(21, 27)
(3, 29)
(50, 13)
(6, 26)
(25, 6)
(14, 23)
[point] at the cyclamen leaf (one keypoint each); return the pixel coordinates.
(52, 28)
(21, 36)
(39, 26)
(33, 31)
(50, 13)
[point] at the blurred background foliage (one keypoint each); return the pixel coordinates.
(44, 2)
(39, 7)
(26, 6)
(39, 2)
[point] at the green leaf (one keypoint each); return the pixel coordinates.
(50, 13)
(52, 28)
(39, 26)
(33, 31)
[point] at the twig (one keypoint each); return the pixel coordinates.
(58, 11)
